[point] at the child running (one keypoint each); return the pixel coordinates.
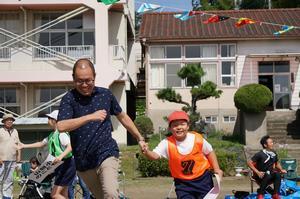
(59, 146)
(190, 158)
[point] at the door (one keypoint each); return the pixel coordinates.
(282, 91)
(267, 80)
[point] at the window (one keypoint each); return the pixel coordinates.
(228, 73)
(157, 75)
(9, 21)
(46, 94)
(69, 32)
(211, 119)
(228, 50)
(210, 70)
(10, 99)
(169, 52)
(201, 51)
(229, 119)
(274, 67)
(172, 78)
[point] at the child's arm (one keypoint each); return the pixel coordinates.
(151, 155)
(32, 145)
(212, 158)
(63, 154)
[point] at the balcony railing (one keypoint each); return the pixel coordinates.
(72, 51)
(5, 54)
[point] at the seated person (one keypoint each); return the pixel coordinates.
(266, 168)
(34, 163)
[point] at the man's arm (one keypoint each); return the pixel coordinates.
(260, 174)
(18, 157)
(212, 158)
(279, 167)
(72, 124)
(130, 126)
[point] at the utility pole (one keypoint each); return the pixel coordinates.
(270, 4)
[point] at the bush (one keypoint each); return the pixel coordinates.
(150, 168)
(252, 98)
(145, 125)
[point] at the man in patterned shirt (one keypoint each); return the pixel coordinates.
(85, 112)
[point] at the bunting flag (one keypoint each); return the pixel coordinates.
(244, 21)
(215, 19)
(284, 29)
(184, 16)
(146, 7)
(108, 2)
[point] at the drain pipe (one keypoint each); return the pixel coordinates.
(25, 23)
(25, 90)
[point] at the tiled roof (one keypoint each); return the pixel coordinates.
(165, 27)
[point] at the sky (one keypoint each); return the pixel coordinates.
(169, 5)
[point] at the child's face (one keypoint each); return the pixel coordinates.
(179, 129)
(33, 165)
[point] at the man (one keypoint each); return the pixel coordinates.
(9, 155)
(85, 112)
(266, 168)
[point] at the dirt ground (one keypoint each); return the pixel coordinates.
(158, 188)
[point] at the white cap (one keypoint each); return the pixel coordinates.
(53, 115)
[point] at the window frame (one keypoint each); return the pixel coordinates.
(229, 118)
(211, 116)
(231, 75)
(228, 44)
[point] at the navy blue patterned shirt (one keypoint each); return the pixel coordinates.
(91, 143)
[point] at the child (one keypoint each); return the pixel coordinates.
(34, 163)
(60, 147)
(190, 158)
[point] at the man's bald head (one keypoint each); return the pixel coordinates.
(83, 63)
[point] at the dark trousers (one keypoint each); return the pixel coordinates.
(194, 189)
(268, 179)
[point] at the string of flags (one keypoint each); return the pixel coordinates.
(186, 15)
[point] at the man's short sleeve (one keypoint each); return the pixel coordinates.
(256, 157)
(115, 108)
(65, 108)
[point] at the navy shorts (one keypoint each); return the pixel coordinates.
(65, 173)
(194, 189)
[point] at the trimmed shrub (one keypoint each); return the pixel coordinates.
(151, 168)
(252, 98)
(145, 125)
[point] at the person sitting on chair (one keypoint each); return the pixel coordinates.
(34, 164)
(266, 168)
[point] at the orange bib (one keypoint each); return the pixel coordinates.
(190, 166)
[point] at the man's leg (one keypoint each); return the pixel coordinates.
(8, 179)
(92, 181)
(264, 183)
(276, 181)
(108, 175)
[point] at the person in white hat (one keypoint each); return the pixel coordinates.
(59, 146)
(9, 155)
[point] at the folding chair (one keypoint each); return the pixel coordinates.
(290, 165)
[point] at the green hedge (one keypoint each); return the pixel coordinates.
(152, 168)
(252, 98)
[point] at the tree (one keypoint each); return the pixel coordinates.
(192, 73)
(217, 5)
(285, 4)
(254, 4)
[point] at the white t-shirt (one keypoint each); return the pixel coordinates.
(64, 140)
(184, 147)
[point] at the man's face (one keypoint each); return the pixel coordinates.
(269, 144)
(84, 80)
(179, 129)
(8, 123)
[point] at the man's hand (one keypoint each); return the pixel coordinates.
(260, 174)
(143, 146)
(98, 115)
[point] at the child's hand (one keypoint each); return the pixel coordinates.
(20, 146)
(219, 172)
(57, 160)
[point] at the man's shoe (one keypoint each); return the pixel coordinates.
(276, 196)
(260, 196)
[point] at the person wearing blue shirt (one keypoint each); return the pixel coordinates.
(85, 112)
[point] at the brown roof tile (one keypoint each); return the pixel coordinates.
(164, 26)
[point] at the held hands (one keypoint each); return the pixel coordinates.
(98, 115)
(143, 146)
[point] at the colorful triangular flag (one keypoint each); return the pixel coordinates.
(108, 2)
(215, 19)
(244, 21)
(184, 16)
(146, 7)
(284, 29)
